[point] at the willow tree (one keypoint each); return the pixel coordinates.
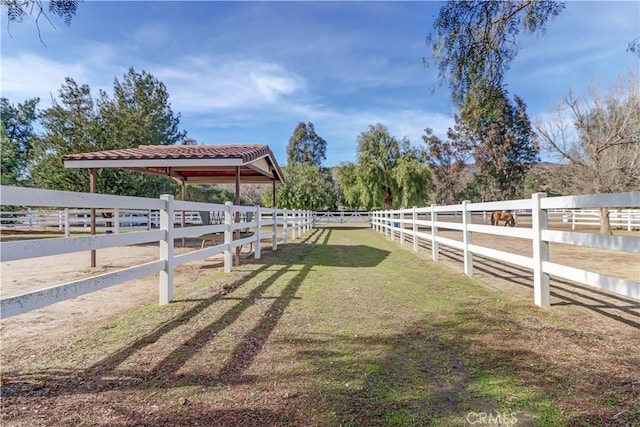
(388, 173)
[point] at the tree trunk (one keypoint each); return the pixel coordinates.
(605, 225)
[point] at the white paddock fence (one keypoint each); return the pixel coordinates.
(265, 223)
(424, 224)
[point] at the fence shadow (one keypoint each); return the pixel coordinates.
(616, 307)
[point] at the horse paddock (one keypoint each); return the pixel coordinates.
(73, 316)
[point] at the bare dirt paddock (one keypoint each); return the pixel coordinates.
(76, 316)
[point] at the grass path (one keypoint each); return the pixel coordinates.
(342, 327)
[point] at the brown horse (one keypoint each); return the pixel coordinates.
(505, 216)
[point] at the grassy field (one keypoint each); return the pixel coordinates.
(342, 328)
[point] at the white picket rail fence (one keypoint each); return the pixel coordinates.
(423, 223)
(266, 223)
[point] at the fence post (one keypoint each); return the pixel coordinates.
(540, 222)
(415, 229)
(166, 250)
(392, 230)
(434, 233)
(67, 229)
(274, 241)
(228, 236)
(116, 220)
(401, 223)
(294, 224)
(466, 239)
(285, 217)
(30, 219)
(258, 222)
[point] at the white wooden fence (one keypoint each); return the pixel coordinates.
(423, 223)
(341, 217)
(265, 223)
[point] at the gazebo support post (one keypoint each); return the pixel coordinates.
(183, 223)
(92, 189)
(237, 202)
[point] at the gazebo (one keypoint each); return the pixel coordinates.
(188, 164)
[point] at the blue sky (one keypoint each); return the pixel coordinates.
(248, 72)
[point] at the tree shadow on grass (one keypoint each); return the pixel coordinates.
(114, 372)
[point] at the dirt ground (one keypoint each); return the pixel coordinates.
(75, 316)
(72, 317)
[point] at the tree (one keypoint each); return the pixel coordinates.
(350, 189)
(388, 173)
(602, 151)
(306, 186)
(413, 178)
(69, 127)
(378, 154)
(447, 161)
(18, 9)
(504, 145)
(138, 114)
(474, 42)
(305, 146)
(17, 136)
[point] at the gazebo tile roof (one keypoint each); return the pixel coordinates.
(246, 152)
(186, 162)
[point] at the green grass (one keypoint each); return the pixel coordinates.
(343, 328)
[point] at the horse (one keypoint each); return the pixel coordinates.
(505, 216)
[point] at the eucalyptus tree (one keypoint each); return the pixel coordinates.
(305, 146)
(473, 42)
(17, 10)
(16, 138)
(503, 144)
(308, 185)
(447, 160)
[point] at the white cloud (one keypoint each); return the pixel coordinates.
(26, 75)
(215, 84)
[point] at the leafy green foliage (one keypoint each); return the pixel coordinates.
(504, 145)
(18, 9)
(306, 186)
(208, 194)
(138, 114)
(474, 42)
(305, 146)
(447, 162)
(388, 173)
(16, 138)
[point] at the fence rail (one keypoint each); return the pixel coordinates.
(265, 224)
(425, 223)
